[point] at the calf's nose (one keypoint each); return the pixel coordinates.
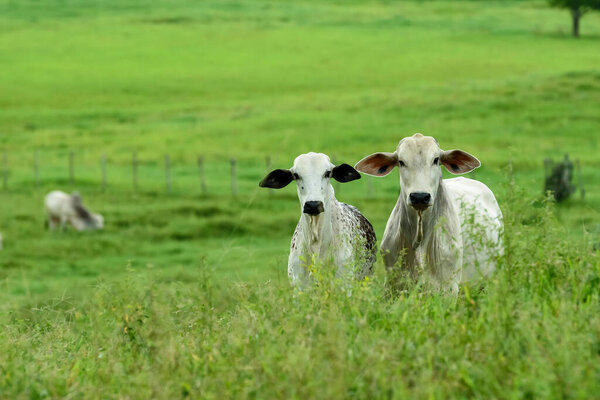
(419, 199)
(313, 207)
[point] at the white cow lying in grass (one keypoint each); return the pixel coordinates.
(62, 208)
(439, 225)
(328, 229)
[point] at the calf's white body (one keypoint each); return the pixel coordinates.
(62, 208)
(340, 234)
(481, 225)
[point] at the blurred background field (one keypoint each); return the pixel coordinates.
(503, 80)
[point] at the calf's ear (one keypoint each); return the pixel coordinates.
(277, 179)
(344, 173)
(459, 162)
(377, 164)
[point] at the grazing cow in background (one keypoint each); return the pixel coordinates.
(328, 229)
(439, 224)
(62, 208)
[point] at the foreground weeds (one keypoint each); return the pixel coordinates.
(532, 331)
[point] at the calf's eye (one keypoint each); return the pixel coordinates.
(327, 174)
(436, 161)
(402, 163)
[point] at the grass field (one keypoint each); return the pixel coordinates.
(186, 294)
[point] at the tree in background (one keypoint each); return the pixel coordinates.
(577, 8)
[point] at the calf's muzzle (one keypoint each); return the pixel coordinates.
(420, 200)
(313, 207)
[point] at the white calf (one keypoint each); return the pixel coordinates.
(440, 225)
(62, 208)
(328, 229)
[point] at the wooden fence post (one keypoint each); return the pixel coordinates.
(233, 177)
(71, 169)
(134, 170)
(201, 172)
(103, 166)
(168, 173)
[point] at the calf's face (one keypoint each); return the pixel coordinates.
(419, 158)
(312, 173)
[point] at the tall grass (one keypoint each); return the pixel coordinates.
(531, 331)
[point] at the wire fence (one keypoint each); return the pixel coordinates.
(178, 174)
(184, 173)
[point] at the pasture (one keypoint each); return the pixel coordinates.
(186, 295)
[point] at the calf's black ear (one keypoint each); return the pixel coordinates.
(277, 179)
(345, 173)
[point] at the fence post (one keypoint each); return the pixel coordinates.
(134, 169)
(268, 160)
(168, 173)
(36, 168)
(4, 170)
(103, 165)
(71, 169)
(201, 172)
(233, 178)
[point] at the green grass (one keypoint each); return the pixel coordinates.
(531, 332)
(186, 294)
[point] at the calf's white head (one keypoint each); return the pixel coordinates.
(98, 221)
(419, 159)
(312, 173)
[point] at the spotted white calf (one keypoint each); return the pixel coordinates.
(328, 229)
(62, 208)
(441, 225)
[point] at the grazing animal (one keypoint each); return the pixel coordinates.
(62, 208)
(328, 229)
(441, 225)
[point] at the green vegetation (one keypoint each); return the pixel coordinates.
(577, 8)
(187, 295)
